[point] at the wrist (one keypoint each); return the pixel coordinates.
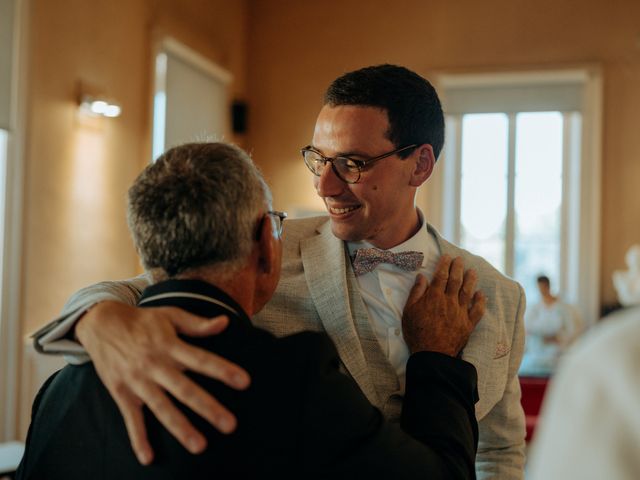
(444, 350)
(79, 330)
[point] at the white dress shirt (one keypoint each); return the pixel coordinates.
(385, 291)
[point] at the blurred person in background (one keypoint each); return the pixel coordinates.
(551, 326)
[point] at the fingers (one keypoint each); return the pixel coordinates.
(468, 287)
(418, 289)
(140, 359)
(197, 399)
(200, 360)
(131, 411)
(172, 418)
(456, 272)
(193, 325)
(209, 364)
(212, 326)
(441, 274)
(478, 307)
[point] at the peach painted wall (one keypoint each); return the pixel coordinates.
(78, 172)
(297, 47)
(282, 53)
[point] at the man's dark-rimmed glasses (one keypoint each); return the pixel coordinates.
(346, 168)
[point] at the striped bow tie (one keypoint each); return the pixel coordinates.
(367, 259)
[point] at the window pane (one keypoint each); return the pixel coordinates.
(483, 203)
(159, 107)
(538, 198)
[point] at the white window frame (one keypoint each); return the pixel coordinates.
(582, 264)
(10, 323)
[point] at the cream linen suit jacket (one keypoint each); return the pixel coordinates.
(318, 291)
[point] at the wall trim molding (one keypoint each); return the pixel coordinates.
(11, 301)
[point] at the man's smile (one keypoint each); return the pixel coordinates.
(342, 210)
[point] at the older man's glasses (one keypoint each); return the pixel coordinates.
(346, 168)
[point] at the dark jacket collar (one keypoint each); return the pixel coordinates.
(199, 294)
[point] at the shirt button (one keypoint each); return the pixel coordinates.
(397, 331)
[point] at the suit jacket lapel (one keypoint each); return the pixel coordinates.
(481, 347)
(324, 259)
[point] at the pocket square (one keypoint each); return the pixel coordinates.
(502, 349)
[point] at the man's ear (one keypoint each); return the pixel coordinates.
(424, 165)
(267, 244)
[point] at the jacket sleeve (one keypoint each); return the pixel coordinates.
(52, 338)
(502, 431)
(344, 436)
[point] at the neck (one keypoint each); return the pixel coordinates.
(401, 232)
(549, 299)
(239, 286)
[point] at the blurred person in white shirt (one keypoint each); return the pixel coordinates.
(551, 326)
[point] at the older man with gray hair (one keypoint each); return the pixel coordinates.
(201, 221)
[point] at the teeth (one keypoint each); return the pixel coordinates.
(342, 210)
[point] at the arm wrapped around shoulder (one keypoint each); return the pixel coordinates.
(344, 436)
(438, 407)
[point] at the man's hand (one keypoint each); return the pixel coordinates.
(140, 359)
(439, 317)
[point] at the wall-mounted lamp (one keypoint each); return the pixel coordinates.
(99, 107)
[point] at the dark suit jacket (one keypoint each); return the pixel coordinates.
(299, 418)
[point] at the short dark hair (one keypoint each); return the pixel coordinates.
(411, 102)
(544, 279)
(197, 205)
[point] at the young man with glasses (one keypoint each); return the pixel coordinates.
(376, 140)
(201, 223)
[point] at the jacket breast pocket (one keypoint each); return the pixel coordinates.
(491, 384)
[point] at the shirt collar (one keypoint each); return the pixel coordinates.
(419, 242)
(196, 290)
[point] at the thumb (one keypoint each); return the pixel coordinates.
(418, 289)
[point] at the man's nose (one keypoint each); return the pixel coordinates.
(328, 184)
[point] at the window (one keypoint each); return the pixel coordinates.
(191, 98)
(519, 181)
(511, 196)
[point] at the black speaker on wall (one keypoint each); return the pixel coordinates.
(239, 116)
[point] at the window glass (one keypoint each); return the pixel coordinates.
(483, 202)
(538, 198)
(190, 98)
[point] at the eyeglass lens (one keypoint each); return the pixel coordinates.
(344, 167)
(278, 219)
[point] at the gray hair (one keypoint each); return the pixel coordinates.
(197, 205)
